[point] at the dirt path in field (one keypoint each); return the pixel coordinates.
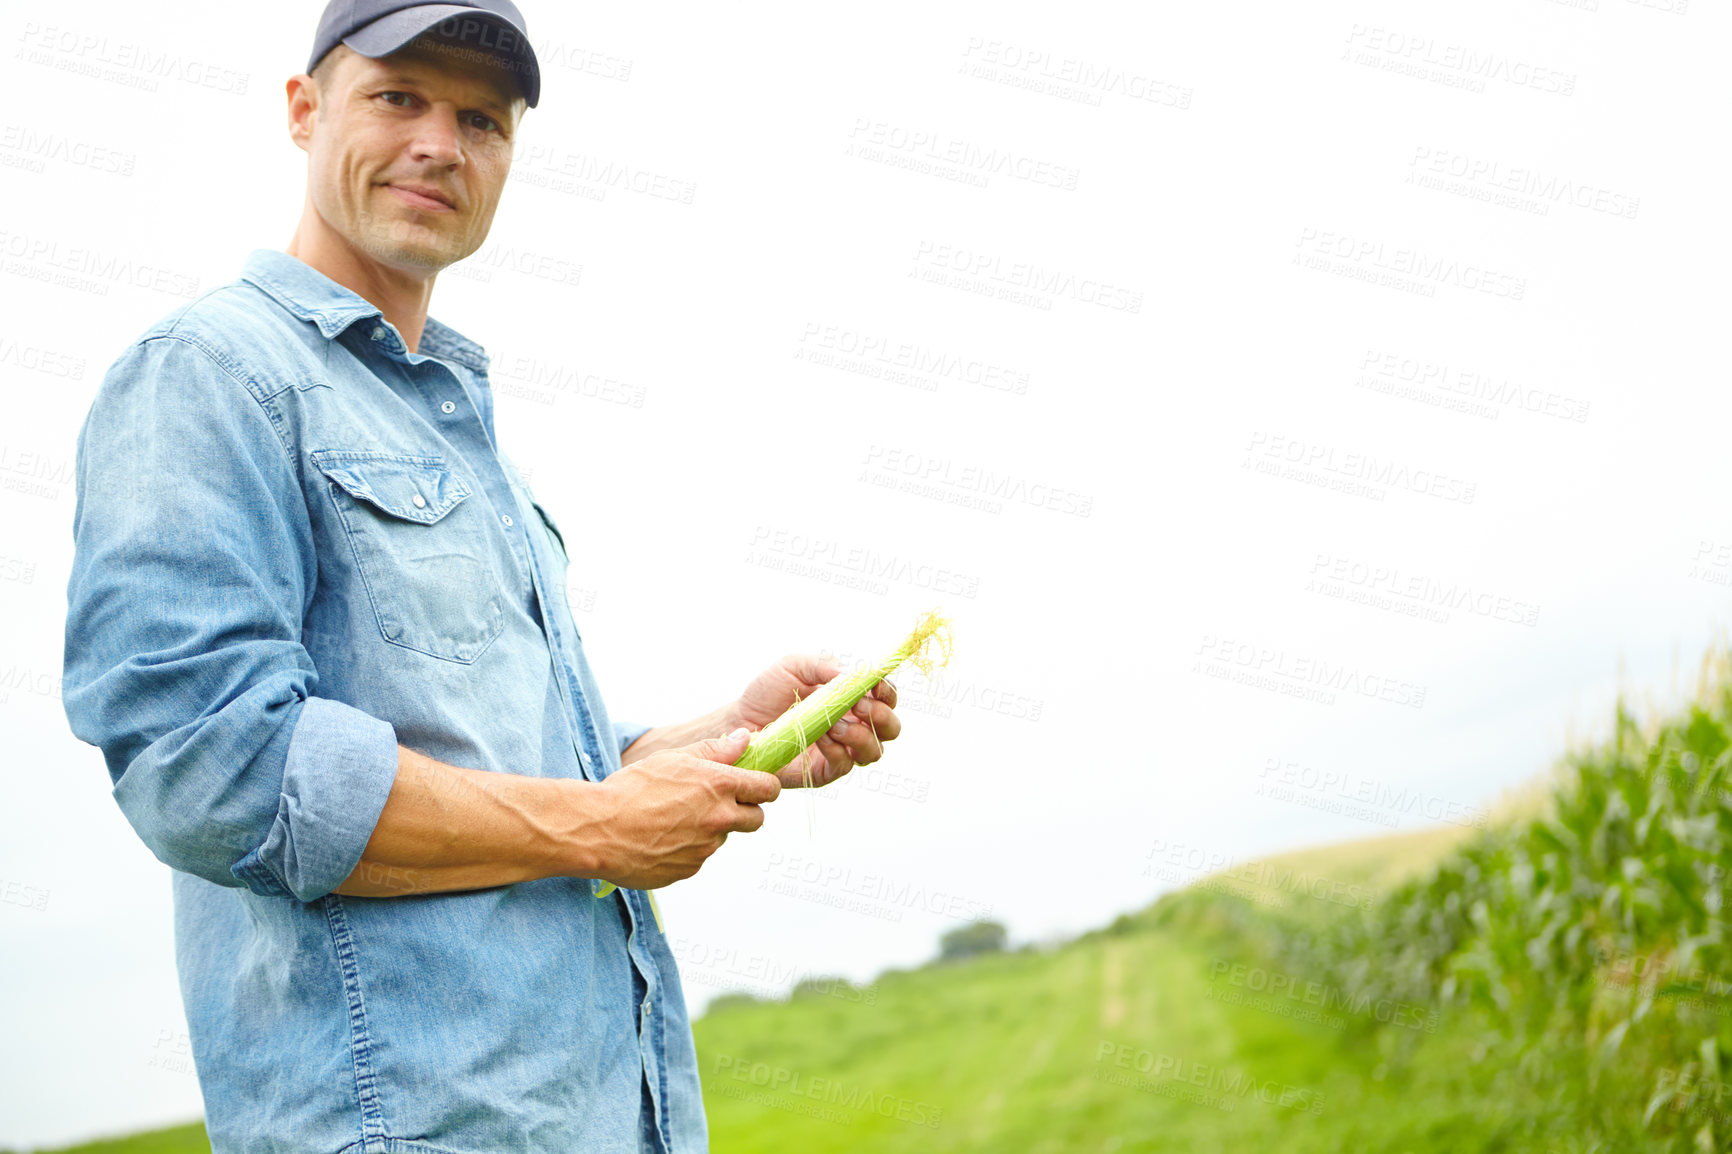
(1112, 985)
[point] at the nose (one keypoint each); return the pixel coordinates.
(437, 139)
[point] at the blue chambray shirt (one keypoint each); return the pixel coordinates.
(298, 545)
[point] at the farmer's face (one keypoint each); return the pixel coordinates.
(408, 153)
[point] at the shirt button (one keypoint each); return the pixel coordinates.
(448, 407)
(379, 333)
(420, 501)
(508, 521)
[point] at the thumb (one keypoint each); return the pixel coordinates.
(724, 749)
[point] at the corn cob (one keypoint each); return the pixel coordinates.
(806, 721)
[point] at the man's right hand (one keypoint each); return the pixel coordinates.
(653, 823)
(668, 812)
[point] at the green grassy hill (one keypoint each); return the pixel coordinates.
(177, 1140)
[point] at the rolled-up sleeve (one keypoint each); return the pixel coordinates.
(193, 566)
(628, 734)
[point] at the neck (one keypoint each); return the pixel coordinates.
(401, 295)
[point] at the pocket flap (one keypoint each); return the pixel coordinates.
(413, 488)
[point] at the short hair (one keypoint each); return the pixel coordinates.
(327, 64)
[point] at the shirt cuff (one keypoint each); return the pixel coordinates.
(340, 767)
(628, 734)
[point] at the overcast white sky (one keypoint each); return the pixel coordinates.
(1272, 328)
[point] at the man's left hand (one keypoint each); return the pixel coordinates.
(858, 739)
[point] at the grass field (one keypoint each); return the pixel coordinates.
(1117, 1043)
(1140, 1039)
(179, 1140)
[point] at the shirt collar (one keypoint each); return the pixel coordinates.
(312, 296)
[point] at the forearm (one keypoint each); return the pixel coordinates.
(722, 720)
(447, 828)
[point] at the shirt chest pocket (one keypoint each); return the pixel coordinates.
(420, 550)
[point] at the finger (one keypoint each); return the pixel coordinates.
(752, 787)
(883, 722)
(838, 762)
(885, 692)
(870, 716)
(807, 769)
(815, 767)
(748, 818)
(809, 766)
(811, 668)
(861, 745)
(837, 736)
(724, 750)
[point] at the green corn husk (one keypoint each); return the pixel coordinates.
(806, 721)
(787, 737)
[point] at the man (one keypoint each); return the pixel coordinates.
(317, 626)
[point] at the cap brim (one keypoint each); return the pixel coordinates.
(390, 32)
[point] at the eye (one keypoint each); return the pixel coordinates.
(484, 122)
(406, 99)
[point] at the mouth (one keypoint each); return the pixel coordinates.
(423, 198)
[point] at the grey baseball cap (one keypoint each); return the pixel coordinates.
(380, 27)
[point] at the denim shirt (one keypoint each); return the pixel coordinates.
(297, 546)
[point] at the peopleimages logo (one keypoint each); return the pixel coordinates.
(1464, 387)
(1367, 258)
(1275, 987)
(962, 483)
(1299, 783)
(1221, 1083)
(1347, 471)
(88, 269)
(1415, 594)
(122, 62)
(830, 1091)
(1265, 666)
(839, 562)
(985, 268)
(481, 33)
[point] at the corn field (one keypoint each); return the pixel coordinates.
(1586, 950)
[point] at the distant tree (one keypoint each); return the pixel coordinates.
(815, 986)
(974, 938)
(733, 999)
(1122, 925)
(833, 987)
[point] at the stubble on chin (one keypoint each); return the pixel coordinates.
(403, 244)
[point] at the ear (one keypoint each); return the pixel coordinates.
(303, 95)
